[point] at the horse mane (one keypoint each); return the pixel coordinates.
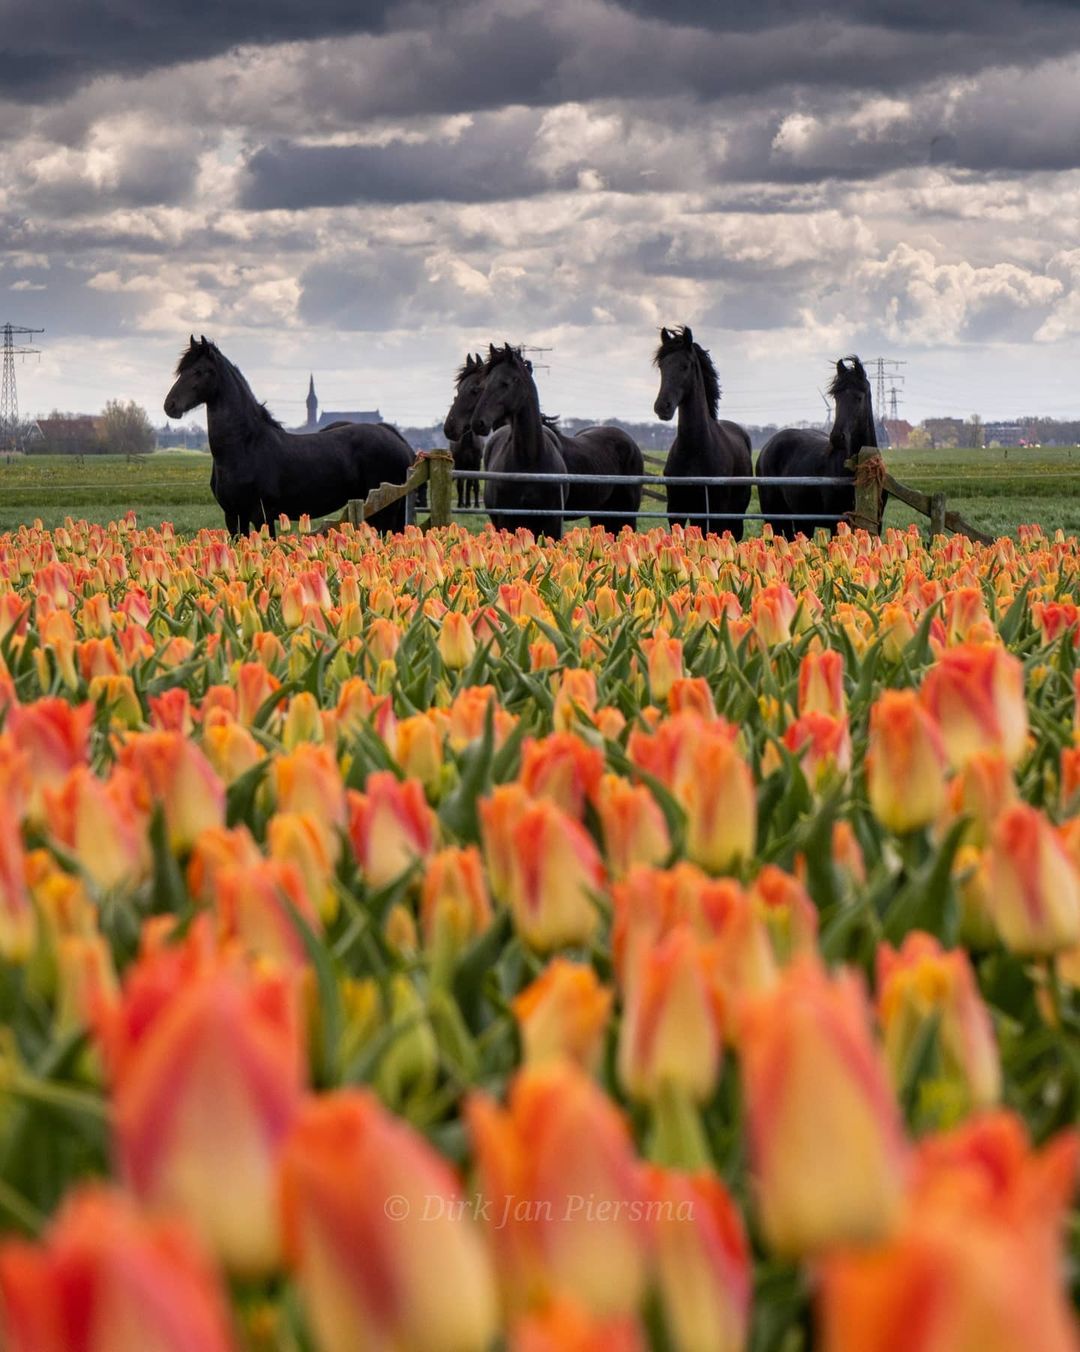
(681, 339)
(852, 376)
(472, 364)
(202, 347)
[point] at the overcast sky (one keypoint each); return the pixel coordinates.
(370, 190)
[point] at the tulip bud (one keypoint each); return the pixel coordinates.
(826, 1144)
(107, 1278)
(720, 802)
(635, 830)
(377, 1234)
(419, 751)
(665, 659)
(99, 824)
(457, 642)
(920, 985)
(563, 768)
(231, 749)
(17, 926)
(563, 1326)
(670, 1035)
(454, 904)
(555, 872)
(976, 695)
(551, 1163)
(391, 827)
(789, 914)
(821, 684)
(703, 1260)
(563, 1014)
(1033, 888)
(905, 763)
(205, 1060)
(174, 773)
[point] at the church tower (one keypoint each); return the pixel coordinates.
(312, 403)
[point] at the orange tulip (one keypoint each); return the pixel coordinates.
(418, 750)
(789, 914)
(106, 1278)
(172, 772)
(99, 824)
(253, 905)
(691, 694)
(564, 1013)
(564, 1326)
(205, 1059)
(378, 1234)
(826, 1144)
(457, 642)
(563, 768)
(553, 1164)
(309, 780)
(977, 1261)
(635, 830)
(823, 745)
(821, 684)
(905, 763)
(664, 656)
(703, 1260)
(575, 700)
(391, 827)
(219, 848)
(976, 695)
(17, 927)
(720, 802)
(670, 1035)
(1033, 885)
(455, 907)
(554, 872)
(55, 737)
(920, 984)
(772, 613)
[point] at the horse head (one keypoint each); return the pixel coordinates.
(680, 361)
(853, 425)
(507, 385)
(469, 383)
(197, 378)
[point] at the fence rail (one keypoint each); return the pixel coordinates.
(870, 479)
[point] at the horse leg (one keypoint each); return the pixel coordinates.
(462, 490)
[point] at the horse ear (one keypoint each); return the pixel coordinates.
(840, 367)
(202, 339)
(491, 351)
(528, 366)
(688, 337)
(665, 335)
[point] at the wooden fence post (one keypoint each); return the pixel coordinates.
(440, 487)
(868, 469)
(937, 514)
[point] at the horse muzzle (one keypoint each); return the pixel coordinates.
(480, 426)
(172, 408)
(664, 408)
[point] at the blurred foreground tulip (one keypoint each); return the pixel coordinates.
(975, 693)
(905, 763)
(205, 1059)
(382, 1242)
(563, 1014)
(976, 1265)
(564, 1197)
(826, 1144)
(1033, 887)
(391, 827)
(108, 1279)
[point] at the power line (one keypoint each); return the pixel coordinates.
(10, 429)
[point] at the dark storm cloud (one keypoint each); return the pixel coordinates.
(59, 44)
(483, 164)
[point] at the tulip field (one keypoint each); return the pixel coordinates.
(450, 942)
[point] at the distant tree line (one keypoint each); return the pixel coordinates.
(122, 428)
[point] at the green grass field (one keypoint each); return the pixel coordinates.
(997, 490)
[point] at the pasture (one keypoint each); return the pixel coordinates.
(997, 490)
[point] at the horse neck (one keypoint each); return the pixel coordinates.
(851, 442)
(232, 416)
(695, 415)
(527, 427)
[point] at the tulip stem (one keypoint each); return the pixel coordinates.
(678, 1137)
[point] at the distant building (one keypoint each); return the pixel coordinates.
(77, 435)
(899, 431)
(316, 421)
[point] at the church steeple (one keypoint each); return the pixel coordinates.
(312, 403)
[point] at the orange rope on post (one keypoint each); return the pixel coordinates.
(870, 475)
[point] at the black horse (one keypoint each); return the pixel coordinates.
(525, 445)
(465, 446)
(593, 451)
(704, 445)
(261, 471)
(798, 451)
